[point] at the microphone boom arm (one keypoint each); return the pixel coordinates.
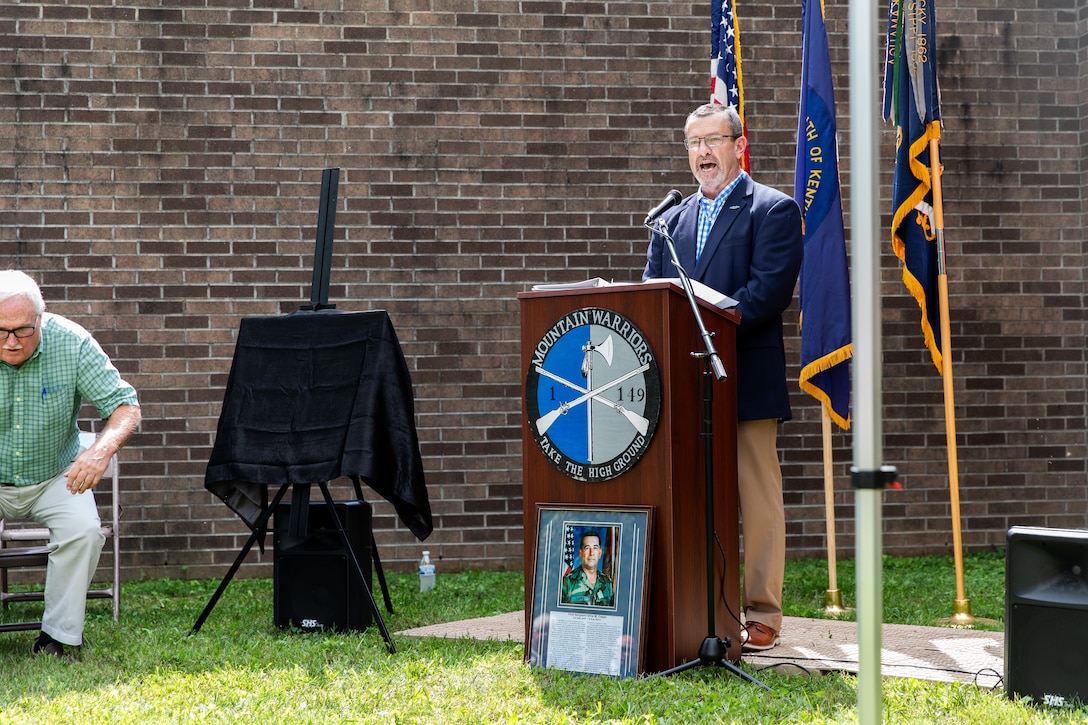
(707, 336)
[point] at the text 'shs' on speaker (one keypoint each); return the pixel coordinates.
(315, 584)
(1046, 615)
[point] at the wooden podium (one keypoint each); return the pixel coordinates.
(669, 476)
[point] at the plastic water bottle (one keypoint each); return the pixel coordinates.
(426, 572)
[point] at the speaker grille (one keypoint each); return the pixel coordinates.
(1046, 615)
(1047, 657)
(315, 585)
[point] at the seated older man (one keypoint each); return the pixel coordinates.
(48, 366)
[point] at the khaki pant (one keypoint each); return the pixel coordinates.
(763, 521)
(75, 543)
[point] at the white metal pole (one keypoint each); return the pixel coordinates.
(866, 242)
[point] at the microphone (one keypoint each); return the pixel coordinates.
(671, 199)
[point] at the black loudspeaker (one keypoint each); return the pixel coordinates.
(315, 584)
(1046, 615)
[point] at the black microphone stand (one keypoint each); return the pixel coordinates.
(713, 650)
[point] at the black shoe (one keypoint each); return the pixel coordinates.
(52, 648)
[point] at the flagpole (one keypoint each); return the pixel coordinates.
(832, 597)
(961, 607)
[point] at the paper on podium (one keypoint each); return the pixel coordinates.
(586, 284)
(703, 292)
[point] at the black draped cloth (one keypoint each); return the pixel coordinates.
(313, 396)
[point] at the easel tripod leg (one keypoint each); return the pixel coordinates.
(259, 529)
(358, 568)
(374, 552)
(380, 572)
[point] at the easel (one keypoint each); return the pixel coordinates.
(300, 497)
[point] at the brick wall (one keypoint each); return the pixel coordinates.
(160, 176)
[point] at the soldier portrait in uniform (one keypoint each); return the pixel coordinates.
(590, 589)
(589, 580)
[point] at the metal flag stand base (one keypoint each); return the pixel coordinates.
(833, 603)
(962, 617)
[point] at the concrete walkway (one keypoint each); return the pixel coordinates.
(817, 646)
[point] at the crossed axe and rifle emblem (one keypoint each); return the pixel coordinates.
(589, 392)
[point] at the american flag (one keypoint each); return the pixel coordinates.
(569, 549)
(726, 87)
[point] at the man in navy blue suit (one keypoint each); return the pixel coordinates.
(744, 240)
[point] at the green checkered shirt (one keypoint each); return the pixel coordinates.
(40, 401)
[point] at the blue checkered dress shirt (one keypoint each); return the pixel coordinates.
(708, 214)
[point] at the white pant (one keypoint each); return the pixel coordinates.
(75, 543)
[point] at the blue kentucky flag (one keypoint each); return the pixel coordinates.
(826, 346)
(911, 100)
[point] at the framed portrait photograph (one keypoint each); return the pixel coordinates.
(589, 588)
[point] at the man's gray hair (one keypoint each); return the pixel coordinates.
(736, 128)
(14, 283)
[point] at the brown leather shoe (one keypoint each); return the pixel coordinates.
(756, 637)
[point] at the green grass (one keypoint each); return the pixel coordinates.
(919, 591)
(240, 668)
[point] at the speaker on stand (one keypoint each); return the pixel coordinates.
(1046, 615)
(315, 585)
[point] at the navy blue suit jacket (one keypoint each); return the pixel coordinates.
(753, 254)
